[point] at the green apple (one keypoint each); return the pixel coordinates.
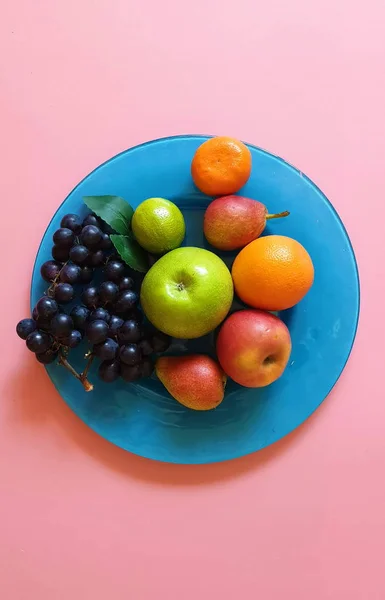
(187, 293)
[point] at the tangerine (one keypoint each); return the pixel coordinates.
(221, 166)
(272, 273)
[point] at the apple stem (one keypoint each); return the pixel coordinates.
(285, 213)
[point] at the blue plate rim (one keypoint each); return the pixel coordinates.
(304, 176)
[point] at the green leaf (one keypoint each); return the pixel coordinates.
(130, 251)
(115, 211)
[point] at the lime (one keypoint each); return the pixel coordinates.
(158, 225)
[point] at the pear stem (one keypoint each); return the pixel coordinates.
(285, 213)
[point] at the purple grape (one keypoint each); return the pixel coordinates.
(25, 327)
(126, 283)
(106, 243)
(109, 371)
(114, 271)
(107, 350)
(130, 354)
(99, 314)
(130, 372)
(126, 301)
(91, 236)
(61, 325)
(39, 341)
(130, 331)
(50, 270)
(146, 367)
(114, 325)
(108, 292)
(46, 308)
(70, 274)
(79, 315)
(64, 293)
(64, 237)
(97, 331)
(96, 259)
(47, 357)
(73, 339)
(91, 219)
(90, 297)
(79, 254)
(145, 347)
(60, 253)
(160, 341)
(72, 222)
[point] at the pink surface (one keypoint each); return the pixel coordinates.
(81, 81)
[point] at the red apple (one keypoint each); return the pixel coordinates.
(253, 347)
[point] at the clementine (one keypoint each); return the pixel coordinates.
(221, 166)
(273, 273)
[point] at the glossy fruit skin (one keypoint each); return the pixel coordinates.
(91, 236)
(221, 166)
(79, 315)
(64, 237)
(25, 327)
(79, 254)
(114, 325)
(60, 253)
(232, 222)
(90, 297)
(253, 347)
(64, 293)
(70, 274)
(46, 308)
(50, 270)
(126, 301)
(109, 371)
(108, 291)
(158, 225)
(272, 273)
(72, 222)
(97, 331)
(61, 326)
(39, 342)
(114, 271)
(129, 332)
(47, 357)
(130, 354)
(73, 339)
(107, 350)
(187, 292)
(196, 381)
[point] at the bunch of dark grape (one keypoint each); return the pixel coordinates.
(109, 316)
(114, 327)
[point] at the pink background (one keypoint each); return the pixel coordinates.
(81, 81)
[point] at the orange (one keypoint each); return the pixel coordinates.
(273, 273)
(221, 166)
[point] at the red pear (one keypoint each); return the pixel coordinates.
(196, 381)
(232, 222)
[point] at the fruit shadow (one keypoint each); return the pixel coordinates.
(32, 402)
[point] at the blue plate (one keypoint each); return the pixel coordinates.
(142, 418)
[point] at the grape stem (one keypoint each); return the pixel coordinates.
(285, 213)
(82, 377)
(51, 289)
